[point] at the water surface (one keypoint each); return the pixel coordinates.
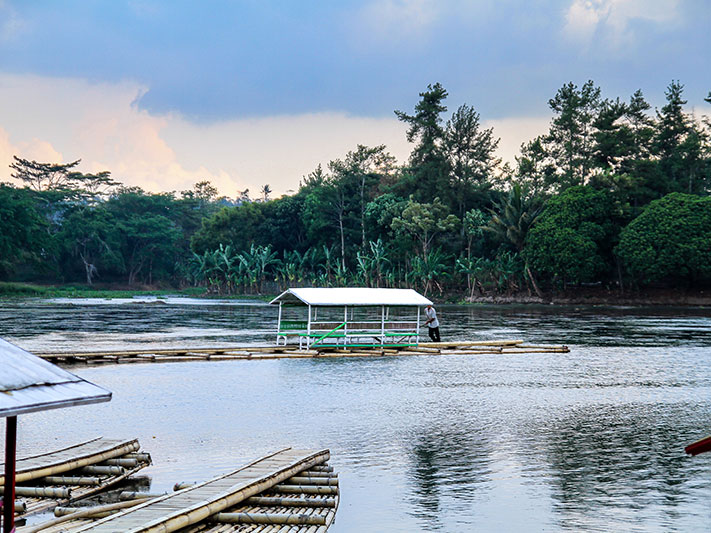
(587, 441)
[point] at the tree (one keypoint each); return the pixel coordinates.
(427, 174)
(678, 145)
(669, 241)
(23, 230)
(423, 222)
(43, 176)
(91, 234)
(512, 218)
(265, 191)
(571, 238)
(535, 169)
(570, 136)
(471, 153)
(239, 226)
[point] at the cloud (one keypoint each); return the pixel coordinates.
(10, 23)
(611, 20)
(395, 20)
(64, 119)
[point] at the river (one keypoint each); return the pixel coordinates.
(591, 440)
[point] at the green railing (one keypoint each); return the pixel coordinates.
(327, 334)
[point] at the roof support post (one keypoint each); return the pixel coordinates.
(382, 325)
(8, 508)
(279, 326)
(417, 335)
(308, 330)
(345, 327)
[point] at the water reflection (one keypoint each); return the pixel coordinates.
(450, 463)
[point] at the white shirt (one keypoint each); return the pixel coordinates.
(431, 313)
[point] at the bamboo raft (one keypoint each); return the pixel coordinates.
(173, 355)
(288, 490)
(71, 474)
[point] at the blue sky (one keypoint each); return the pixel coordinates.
(252, 92)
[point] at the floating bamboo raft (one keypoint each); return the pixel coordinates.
(63, 476)
(292, 352)
(289, 490)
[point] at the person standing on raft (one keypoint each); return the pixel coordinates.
(432, 323)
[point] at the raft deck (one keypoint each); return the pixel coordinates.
(70, 474)
(172, 355)
(290, 489)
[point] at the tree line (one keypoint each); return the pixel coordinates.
(614, 194)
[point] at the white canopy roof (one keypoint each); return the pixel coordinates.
(351, 296)
(29, 383)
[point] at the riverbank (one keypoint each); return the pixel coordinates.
(577, 296)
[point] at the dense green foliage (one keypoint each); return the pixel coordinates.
(595, 200)
(670, 240)
(571, 239)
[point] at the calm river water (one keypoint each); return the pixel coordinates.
(587, 441)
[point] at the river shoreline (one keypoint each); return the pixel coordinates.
(579, 296)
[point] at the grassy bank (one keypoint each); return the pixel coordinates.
(23, 290)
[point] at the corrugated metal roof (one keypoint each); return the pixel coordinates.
(351, 296)
(29, 383)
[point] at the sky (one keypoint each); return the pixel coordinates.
(250, 92)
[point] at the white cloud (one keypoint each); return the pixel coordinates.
(610, 19)
(65, 119)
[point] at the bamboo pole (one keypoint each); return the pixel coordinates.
(79, 462)
(127, 495)
(103, 470)
(85, 514)
(312, 473)
(471, 343)
(305, 480)
(43, 492)
(71, 480)
(304, 489)
(125, 462)
(269, 518)
(200, 512)
(322, 468)
(262, 501)
(20, 507)
(64, 511)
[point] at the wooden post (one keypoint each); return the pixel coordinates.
(8, 508)
(279, 326)
(382, 325)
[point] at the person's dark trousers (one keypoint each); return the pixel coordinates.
(434, 334)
